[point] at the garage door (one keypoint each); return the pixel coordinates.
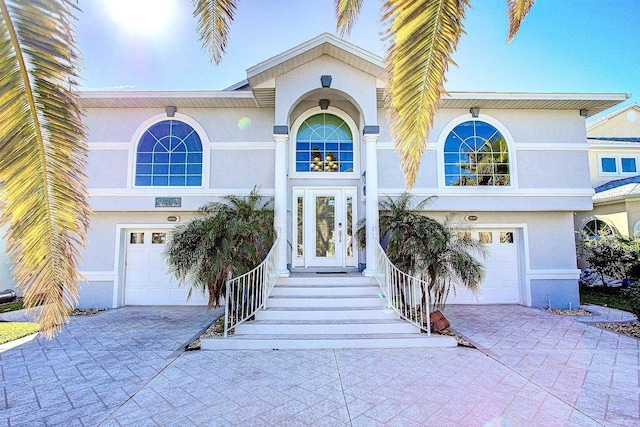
(502, 279)
(147, 280)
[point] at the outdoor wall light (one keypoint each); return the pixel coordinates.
(173, 218)
(325, 81)
(584, 113)
(471, 218)
(475, 112)
(170, 110)
(324, 104)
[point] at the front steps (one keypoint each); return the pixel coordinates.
(326, 312)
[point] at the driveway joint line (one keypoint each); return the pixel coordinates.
(487, 352)
(344, 397)
(173, 359)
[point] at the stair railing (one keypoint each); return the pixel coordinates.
(406, 295)
(248, 293)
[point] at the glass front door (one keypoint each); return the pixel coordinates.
(324, 227)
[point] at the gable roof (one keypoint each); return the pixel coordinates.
(324, 44)
(601, 120)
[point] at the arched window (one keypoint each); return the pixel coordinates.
(169, 155)
(476, 153)
(595, 228)
(324, 144)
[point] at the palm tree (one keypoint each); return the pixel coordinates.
(421, 36)
(489, 165)
(42, 155)
(438, 253)
(230, 236)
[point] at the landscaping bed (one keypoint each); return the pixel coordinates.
(10, 331)
(11, 306)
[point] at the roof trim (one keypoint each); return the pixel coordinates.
(612, 114)
(264, 70)
(154, 99)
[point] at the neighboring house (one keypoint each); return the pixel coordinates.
(309, 127)
(614, 161)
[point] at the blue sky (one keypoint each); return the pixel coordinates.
(586, 46)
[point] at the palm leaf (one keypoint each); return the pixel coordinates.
(42, 155)
(346, 13)
(422, 35)
(517, 10)
(214, 19)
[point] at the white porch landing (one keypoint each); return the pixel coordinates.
(326, 312)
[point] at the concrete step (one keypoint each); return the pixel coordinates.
(325, 302)
(307, 342)
(327, 280)
(318, 313)
(333, 327)
(324, 290)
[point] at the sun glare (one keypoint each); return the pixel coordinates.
(141, 16)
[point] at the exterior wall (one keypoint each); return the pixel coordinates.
(103, 257)
(355, 86)
(237, 145)
(547, 255)
(626, 124)
(598, 150)
(550, 138)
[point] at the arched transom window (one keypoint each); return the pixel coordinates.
(595, 228)
(476, 153)
(169, 155)
(324, 144)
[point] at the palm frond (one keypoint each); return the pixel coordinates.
(214, 20)
(42, 155)
(517, 10)
(347, 12)
(422, 35)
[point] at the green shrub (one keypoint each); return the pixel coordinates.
(618, 257)
(632, 294)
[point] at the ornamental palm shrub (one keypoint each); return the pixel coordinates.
(437, 252)
(230, 236)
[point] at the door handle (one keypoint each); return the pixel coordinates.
(339, 232)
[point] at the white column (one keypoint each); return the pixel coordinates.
(280, 200)
(371, 135)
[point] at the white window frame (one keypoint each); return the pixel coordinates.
(293, 136)
(513, 162)
(618, 159)
(133, 150)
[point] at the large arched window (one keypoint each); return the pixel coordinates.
(476, 153)
(324, 144)
(169, 155)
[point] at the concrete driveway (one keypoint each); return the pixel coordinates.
(94, 366)
(532, 368)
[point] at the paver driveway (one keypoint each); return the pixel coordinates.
(532, 369)
(94, 366)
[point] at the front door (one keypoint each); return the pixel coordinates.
(324, 224)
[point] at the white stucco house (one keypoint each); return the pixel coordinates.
(309, 127)
(614, 164)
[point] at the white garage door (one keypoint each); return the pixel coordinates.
(502, 280)
(147, 280)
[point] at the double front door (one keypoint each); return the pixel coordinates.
(324, 225)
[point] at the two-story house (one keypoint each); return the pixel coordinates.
(310, 128)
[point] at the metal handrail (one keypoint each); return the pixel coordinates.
(404, 293)
(248, 293)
